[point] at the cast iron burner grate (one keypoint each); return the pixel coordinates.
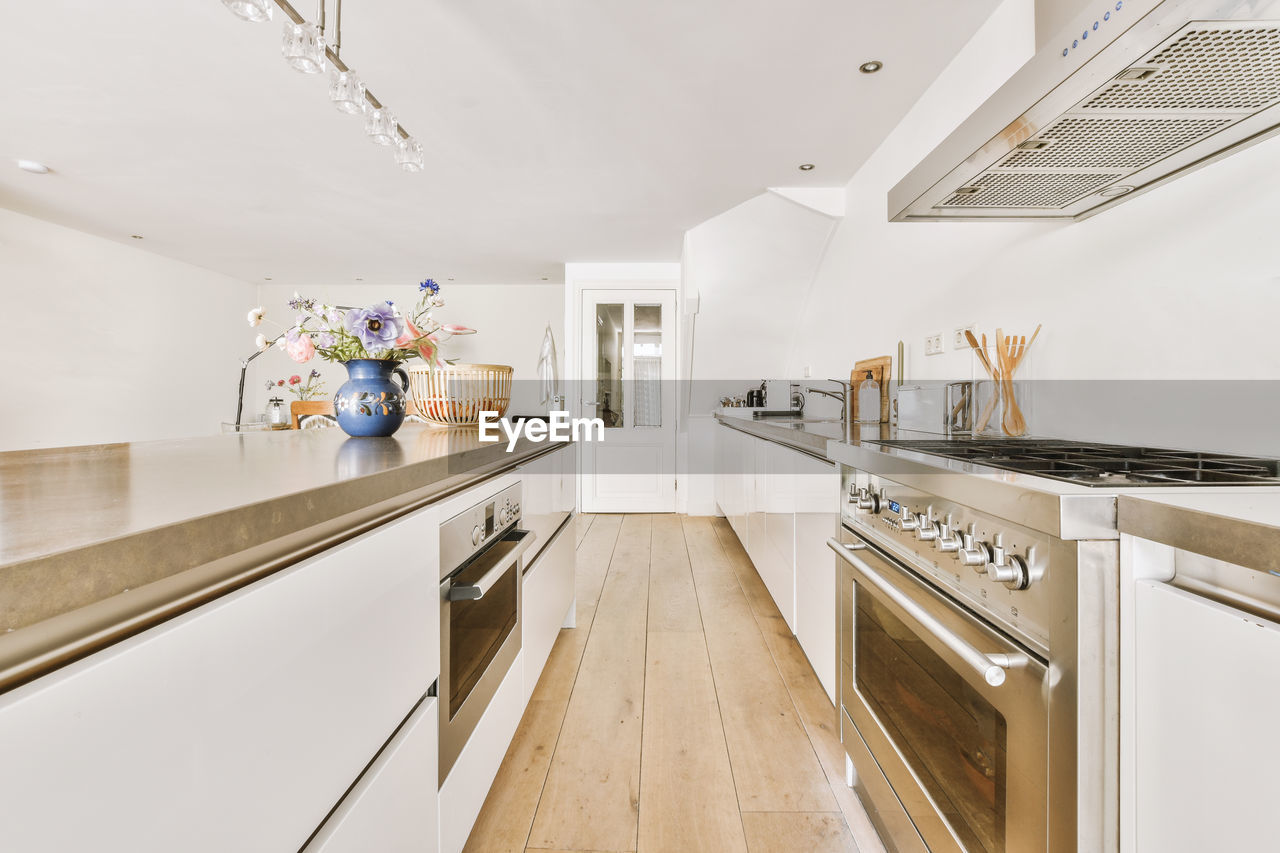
(1113, 465)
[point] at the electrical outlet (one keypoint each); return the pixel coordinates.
(933, 344)
(961, 341)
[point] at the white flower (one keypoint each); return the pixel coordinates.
(280, 342)
(255, 316)
(262, 343)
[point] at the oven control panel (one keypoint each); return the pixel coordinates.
(474, 529)
(990, 564)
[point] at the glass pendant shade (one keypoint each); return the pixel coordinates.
(347, 92)
(409, 155)
(380, 126)
(251, 10)
(303, 47)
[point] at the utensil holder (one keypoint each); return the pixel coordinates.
(988, 414)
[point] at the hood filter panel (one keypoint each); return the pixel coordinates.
(1029, 189)
(1112, 143)
(1213, 68)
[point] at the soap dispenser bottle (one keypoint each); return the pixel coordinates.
(869, 400)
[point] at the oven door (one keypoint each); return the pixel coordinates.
(949, 717)
(479, 637)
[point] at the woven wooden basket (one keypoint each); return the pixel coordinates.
(456, 394)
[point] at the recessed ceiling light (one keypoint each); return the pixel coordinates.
(871, 67)
(450, 278)
(544, 278)
(33, 167)
(806, 167)
(136, 236)
(1116, 191)
(266, 278)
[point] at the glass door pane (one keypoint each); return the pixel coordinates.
(646, 354)
(609, 353)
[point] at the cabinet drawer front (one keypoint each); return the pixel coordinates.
(392, 808)
(548, 595)
(236, 726)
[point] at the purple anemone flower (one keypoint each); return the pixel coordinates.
(377, 326)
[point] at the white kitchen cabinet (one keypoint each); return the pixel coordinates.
(543, 496)
(548, 602)
(1204, 701)
(462, 794)
(236, 726)
(392, 808)
(816, 485)
(784, 504)
(774, 547)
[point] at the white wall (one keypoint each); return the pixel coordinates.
(510, 320)
(1182, 283)
(105, 343)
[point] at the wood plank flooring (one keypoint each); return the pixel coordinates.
(679, 715)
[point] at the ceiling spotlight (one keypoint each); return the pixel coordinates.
(33, 167)
(871, 67)
(266, 278)
(1116, 191)
(806, 167)
(256, 11)
(358, 278)
(545, 278)
(136, 236)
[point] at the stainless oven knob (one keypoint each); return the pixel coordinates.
(972, 552)
(869, 501)
(1013, 574)
(948, 540)
(476, 535)
(926, 530)
(906, 518)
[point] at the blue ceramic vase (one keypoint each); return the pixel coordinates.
(369, 403)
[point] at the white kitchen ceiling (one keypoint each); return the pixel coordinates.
(554, 130)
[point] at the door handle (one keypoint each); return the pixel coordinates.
(471, 592)
(990, 666)
(591, 403)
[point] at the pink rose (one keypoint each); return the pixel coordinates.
(300, 348)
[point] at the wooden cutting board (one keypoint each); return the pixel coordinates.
(882, 371)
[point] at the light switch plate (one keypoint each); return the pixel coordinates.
(933, 344)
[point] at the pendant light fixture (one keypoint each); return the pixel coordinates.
(257, 11)
(307, 48)
(409, 155)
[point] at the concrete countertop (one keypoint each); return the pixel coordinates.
(100, 542)
(1236, 526)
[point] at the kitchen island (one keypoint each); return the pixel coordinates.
(234, 642)
(100, 542)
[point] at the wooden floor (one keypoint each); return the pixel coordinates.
(680, 715)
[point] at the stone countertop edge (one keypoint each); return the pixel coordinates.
(1252, 542)
(60, 607)
(809, 438)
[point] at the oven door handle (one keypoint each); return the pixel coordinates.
(471, 592)
(990, 666)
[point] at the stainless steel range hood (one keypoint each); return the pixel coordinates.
(1132, 94)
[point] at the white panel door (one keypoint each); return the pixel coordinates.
(628, 381)
(392, 808)
(1206, 694)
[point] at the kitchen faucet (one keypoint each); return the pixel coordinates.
(846, 403)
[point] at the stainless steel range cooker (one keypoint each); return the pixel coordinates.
(978, 640)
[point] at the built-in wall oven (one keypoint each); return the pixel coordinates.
(481, 551)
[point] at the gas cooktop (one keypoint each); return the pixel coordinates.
(1110, 465)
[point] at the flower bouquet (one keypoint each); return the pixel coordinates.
(371, 342)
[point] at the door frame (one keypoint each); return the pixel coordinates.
(622, 276)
